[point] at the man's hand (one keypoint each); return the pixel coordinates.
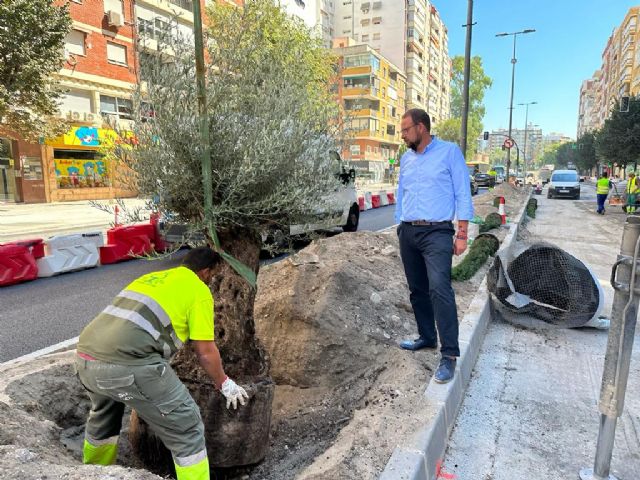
(459, 245)
(234, 393)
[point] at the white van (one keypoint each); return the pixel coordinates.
(564, 183)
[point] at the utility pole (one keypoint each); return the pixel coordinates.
(513, 79)
(467, 78)
(624, 315)
(207, 183)
(526, 126)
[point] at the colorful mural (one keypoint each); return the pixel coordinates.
(75, 173)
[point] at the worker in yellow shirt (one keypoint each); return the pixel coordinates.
(632, 193)
(123, 359)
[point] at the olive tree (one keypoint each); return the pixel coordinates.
(273, 123)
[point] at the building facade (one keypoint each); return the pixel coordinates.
(619, 75)
(412, 36)
(100, 71)
(534, 144)
(371, 90)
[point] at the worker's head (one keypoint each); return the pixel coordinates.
(415, 127)
(605, 174)
(202, 261)
(631, 174)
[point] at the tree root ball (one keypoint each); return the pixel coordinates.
(233, 437)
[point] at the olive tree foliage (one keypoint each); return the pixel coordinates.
(32, 34)
(272, 122)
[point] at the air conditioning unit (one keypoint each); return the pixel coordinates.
(115, 18)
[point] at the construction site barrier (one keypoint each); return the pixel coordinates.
(367, 201)
(391, 197)
(18, 261)
(384, 200)
(375, 201)
(125, 243)
(66, 253)
(361, 203)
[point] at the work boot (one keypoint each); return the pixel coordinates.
(446, 370)
(418, 344)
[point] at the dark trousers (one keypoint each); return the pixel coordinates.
(602, 197)
(426, 255)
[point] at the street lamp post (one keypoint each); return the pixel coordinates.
(526, 126)
(513, 78)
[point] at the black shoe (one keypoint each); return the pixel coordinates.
(417, 344)
(446, 370)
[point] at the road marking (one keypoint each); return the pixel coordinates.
(43, 351)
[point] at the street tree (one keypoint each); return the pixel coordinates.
(273, 123)
(479, 82)
(586, 158)
(32, 34)
(618, 140)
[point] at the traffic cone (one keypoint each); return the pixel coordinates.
(502, 212)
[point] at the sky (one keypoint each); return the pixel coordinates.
(565, 49)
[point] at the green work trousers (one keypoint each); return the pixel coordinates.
(159, 398)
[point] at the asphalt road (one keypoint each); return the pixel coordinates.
(48, 311)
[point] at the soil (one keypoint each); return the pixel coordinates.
(330, 318)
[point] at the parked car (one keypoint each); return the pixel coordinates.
(474, 185)
(485, 180)
(564, 183)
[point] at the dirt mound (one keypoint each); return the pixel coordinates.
(42, 413)
(330, 318)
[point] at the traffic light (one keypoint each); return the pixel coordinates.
(486, 135)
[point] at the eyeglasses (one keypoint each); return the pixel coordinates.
(406, 130)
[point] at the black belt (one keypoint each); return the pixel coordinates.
(426, 222)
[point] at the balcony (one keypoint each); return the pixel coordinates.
(361, 92)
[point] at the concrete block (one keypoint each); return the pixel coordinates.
(405, 464)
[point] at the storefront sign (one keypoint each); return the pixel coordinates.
(82, 136)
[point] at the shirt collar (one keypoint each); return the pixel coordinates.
(434, 140)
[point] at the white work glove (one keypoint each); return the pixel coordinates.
(233, 393)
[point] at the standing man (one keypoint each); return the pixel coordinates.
(632, 193)
(432, 190)
(602, 190)
(123, 359)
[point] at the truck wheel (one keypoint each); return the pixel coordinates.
(353, 219)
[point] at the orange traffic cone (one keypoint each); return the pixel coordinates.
(502, 212)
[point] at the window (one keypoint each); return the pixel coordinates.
(74, 42)
(116, 53)
(113, 6)
(355, 149)
(364, 22)
(156, 29)
(376, 36)
(118, 107)
(348, 17)
(384, 112)
(76, 101)
(376, 20)
(375, 150)
(365, 38)
(368, 148)
(186, 4)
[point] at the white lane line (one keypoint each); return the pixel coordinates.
(41, 352)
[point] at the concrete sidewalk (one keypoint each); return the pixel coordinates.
(530, 411)
(42, 220)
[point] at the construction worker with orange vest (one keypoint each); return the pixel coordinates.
(123, 360)
(632, 193)
(602, 190)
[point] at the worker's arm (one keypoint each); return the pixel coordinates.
(209, 358)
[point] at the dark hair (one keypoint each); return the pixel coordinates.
(200, 258)
(605, 174)
(418, 115)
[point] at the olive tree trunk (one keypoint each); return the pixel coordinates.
(233, 437)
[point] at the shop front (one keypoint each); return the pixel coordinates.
(79, 167)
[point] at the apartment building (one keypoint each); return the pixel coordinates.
(316, 14)
(619, 75)
(412, 36)
(587, 109)
(372, 91)
(100, 70)
(534, 141)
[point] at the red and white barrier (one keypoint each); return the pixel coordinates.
(384, 200)
(367, 201)
(501, 211)
(66, 253)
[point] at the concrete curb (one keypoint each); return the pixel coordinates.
(420, 456)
